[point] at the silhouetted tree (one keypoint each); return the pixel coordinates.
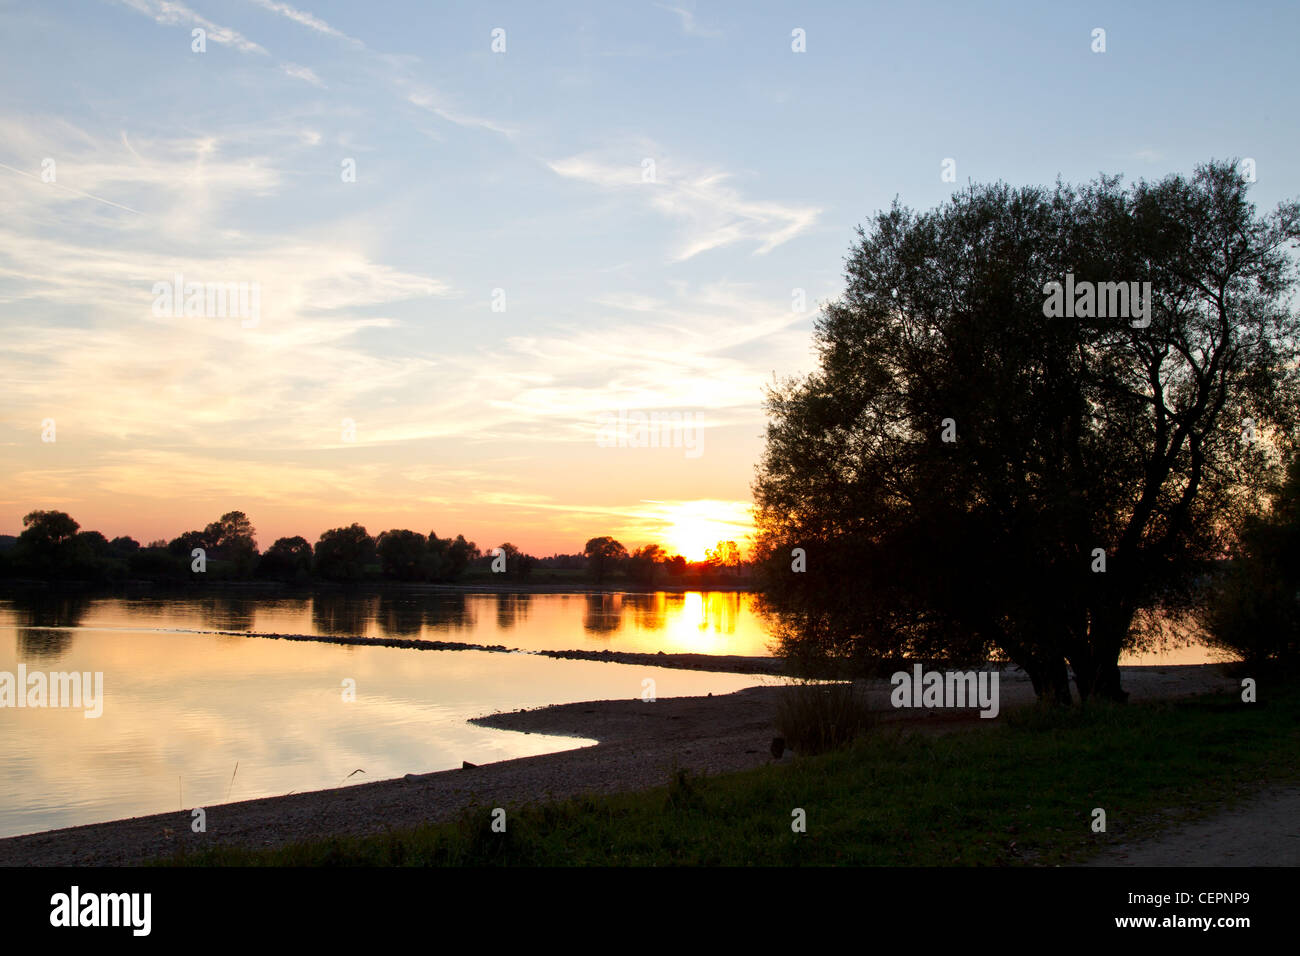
(643, 565)
(518, 564)
(93, 543)
(288, 559)
(48, 543)
(960, 464)
(459, 553)
(342, 553)
(124, 546)
(232, 538)
(602, 555)
(183, 545)
(403, 555)
(726, 556)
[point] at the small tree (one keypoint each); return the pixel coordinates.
(403, 555)
(518, 564)
(124, 546)
(726, 556)
(47, 544)
(342, 553)
(643, 565)
(183, 544)
(603, 553)
(288, 559)
(459, 555)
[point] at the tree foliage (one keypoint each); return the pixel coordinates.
(342, 554)
(288, 559)
(1254, 610)
(403, 555)
(958, 460)
(603, 554)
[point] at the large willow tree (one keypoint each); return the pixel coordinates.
(968, 474)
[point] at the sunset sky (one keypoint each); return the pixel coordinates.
(523, 171)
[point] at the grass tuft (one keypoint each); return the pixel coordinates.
(815, 718)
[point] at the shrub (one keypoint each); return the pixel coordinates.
(815, 717)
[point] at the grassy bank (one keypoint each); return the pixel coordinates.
(1022, 791)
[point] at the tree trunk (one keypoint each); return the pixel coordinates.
(1051, 680)
(1060, 681)
(1108, 682)
(1096, 674)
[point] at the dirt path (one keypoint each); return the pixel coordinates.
(1263, 831)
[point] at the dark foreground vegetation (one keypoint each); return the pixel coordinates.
(1020, 793)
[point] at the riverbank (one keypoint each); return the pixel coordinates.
(640, 745)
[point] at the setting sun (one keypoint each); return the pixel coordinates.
(694, 527)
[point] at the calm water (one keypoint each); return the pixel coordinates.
(182, 709)
(711, 623)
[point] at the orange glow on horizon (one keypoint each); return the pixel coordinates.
(695, 527)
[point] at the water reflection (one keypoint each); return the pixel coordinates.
(398, 615)
(449, 612)
(226, 613)
(699, 622)
(512, 609)
(602, 613)
(648, 610)
(37, 610)
(180, 712)
(692, 622)
(341, 615)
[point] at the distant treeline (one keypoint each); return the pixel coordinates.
(52, 546)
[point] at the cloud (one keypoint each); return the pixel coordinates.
(689, 26)
(302, 73)
(78, 277)
(303, 18)
(174, 13)
(713, 212)
(426, 99)
(168, 187)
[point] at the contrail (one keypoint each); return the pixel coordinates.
(75, 192)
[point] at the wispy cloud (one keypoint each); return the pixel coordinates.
(302, 73)
(303, 18)
(174, 13)
(436, 104)
(714, 212)
(689, 26)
